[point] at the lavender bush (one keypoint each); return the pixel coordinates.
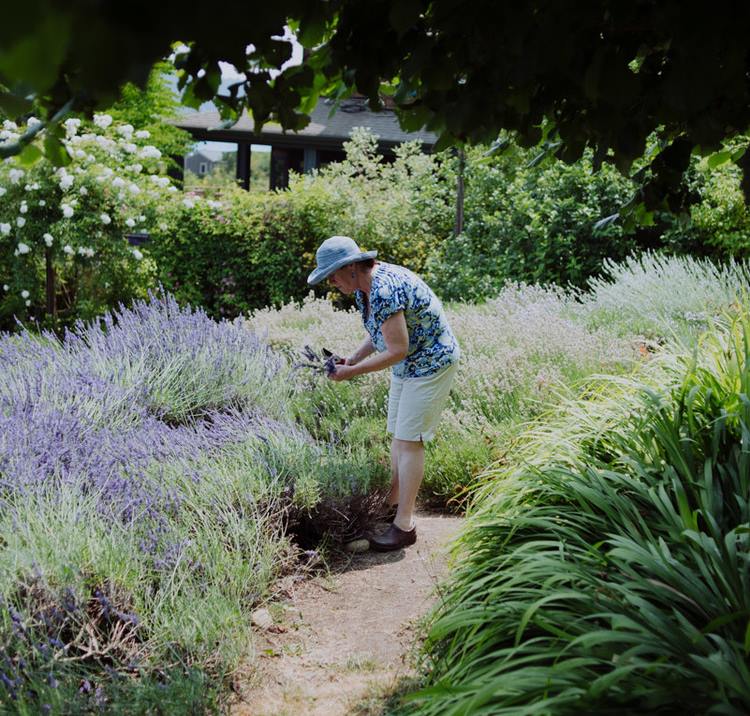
(149, 464)
(520, 351)
(662, 296)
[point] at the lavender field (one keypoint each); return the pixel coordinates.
(149, 464)
(159, 470)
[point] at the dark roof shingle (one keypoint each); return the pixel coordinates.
(322, 131)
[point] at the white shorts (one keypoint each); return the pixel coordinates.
(415, 404)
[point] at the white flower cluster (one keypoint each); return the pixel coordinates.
(64, 179)
(149, 152)
(112, 156)
(160, 181)
(71, 126)
(102, 120)
(9, 132)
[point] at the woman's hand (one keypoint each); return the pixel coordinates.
(343, 372)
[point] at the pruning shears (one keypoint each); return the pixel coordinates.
(326, 362)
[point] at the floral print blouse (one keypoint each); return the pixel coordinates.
(432, 345)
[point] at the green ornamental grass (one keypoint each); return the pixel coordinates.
(607, 569)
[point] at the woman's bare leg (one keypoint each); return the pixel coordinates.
(410, 473)
(393, 495)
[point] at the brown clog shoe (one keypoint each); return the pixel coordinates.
(393, 538)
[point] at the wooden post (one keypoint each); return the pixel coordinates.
(243, 165)
(51, 288)
(310, 160)
(459, 225)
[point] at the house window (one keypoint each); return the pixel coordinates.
(203, 168)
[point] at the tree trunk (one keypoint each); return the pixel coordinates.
(50, 284)
(459, 226)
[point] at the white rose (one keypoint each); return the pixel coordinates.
(188, 203)
(71, 125)
(28, 303)
(143, 134)
(126, 130)
(66, 181)
(15, 175)
(4, 229)
(25, 294)
(68, 249)
(129, 147)
(23, 248)
(20, 221)
(24, 207)
(105, 218)
(102, 120)
(83, 191)
(42, 202)
(66, 210)
(117, 182)
(48, 239)
(5, 287)
(149, 152)
(130, 223)
(137, 255)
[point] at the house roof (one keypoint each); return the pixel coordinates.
(207, 154)
(323, 131)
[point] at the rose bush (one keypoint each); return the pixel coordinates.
(63, 251)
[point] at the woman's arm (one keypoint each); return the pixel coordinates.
(364, 350)
(396, 337)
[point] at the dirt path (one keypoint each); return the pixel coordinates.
(341, 642)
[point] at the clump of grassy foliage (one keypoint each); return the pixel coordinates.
(151, 474)
(660, 296)
(606, 567)
(519, 351)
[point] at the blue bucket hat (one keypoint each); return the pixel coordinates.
(334, 253)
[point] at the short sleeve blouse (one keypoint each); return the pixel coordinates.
(432, 345)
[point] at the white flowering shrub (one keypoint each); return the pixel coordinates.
(63, 247)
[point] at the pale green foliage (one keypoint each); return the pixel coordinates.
(660, 296)
(397, 208)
